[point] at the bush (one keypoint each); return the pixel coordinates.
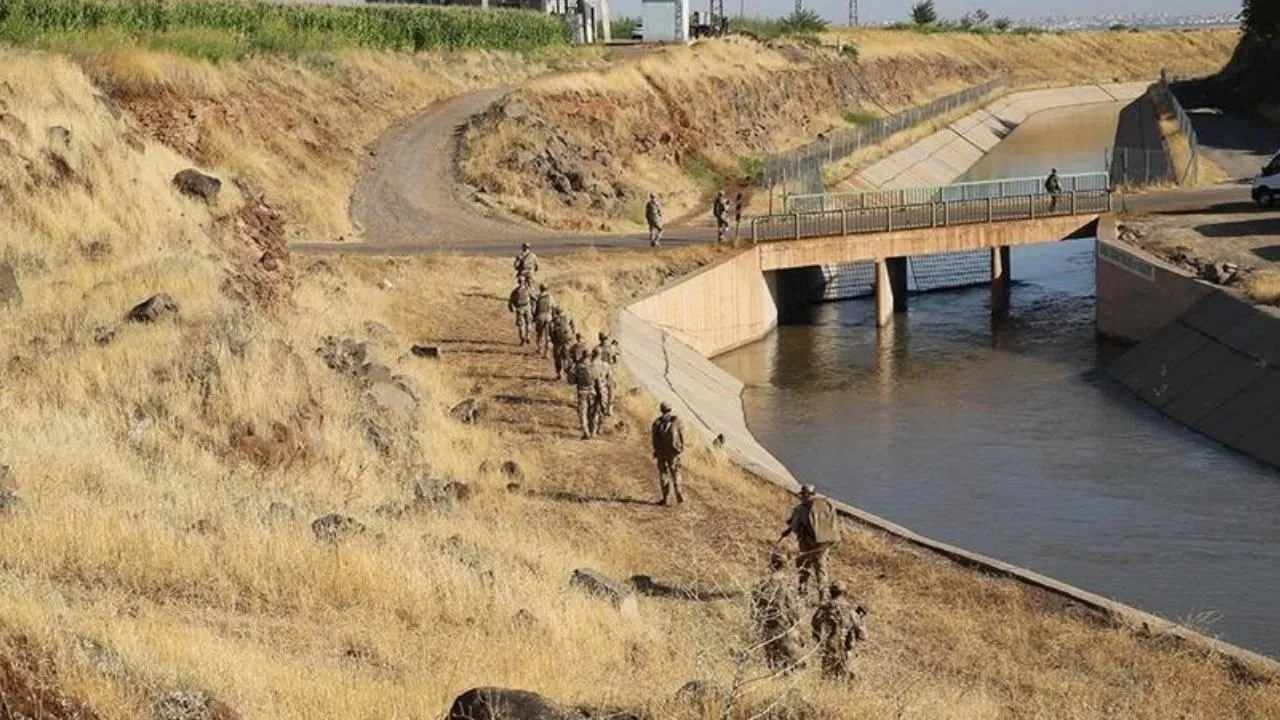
(623, 27)
(924, 13)
(803, 22)
(1002, 24)
(232, 28)
(1260, 19)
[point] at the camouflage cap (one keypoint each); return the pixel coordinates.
(665, 407)
(836, 589)
(603, 335)
(777, 560)
(524, 246)
(808, 491)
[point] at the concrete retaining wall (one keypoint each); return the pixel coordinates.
(947, 154)
(1214, 363)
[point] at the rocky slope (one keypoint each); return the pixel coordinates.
(583, 151)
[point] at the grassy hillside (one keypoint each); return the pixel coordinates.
(583, 151)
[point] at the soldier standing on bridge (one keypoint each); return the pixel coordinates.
(522, 305)
(526, 263)
(720, 209)
(817, 530)
(1053, 186)
(653, 217)
(542, 309)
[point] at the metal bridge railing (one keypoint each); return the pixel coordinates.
(797, 225)
(980, 190)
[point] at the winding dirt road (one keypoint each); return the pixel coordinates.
(409, 198)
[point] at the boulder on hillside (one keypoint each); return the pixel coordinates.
(10, 291)
(334, 528)
(466, 412)
(491, 703)
(59, 137)
(12, 126)
(195, 184)
(602, 586)
(183, 704)
(431, 352)
(152, 309)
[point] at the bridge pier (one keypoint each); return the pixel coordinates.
(891, 288)
(1000, 281)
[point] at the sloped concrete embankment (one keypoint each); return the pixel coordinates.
(948, 154)
(667, 339)
(1208, 357)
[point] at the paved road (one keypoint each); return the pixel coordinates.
(1237, 142)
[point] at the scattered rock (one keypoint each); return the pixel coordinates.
(104, 334)
(334, 528)
(185, 704)
(467, 412)
(9, 499)
(100, 658)
(410, 386)
(515, 110)
(12, 126)
(491, 702)
(514, 487)
(387, 285)
(393, 402)
(59, 137)
(152, 309)
(379, 332)
(433, 492)
(524, 619)
(95, 250)
(343, 355)
(600, 585)
(426, 351)
(195, 184)
(278, 512)
(512, 471)
(696, 692)
(10, 291)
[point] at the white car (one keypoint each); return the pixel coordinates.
(1266, 187)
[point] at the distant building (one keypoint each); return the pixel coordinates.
(665, 20)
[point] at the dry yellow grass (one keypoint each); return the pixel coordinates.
(1203, 171)
(144, 529)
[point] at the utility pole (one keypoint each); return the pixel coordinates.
(799, 6)
(853, 13)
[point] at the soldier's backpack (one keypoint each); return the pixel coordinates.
(825, 523)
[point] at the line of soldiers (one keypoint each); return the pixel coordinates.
(552, 330)
(719, 211)
(835, 626)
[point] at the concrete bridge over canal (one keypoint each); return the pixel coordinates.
(791, 248)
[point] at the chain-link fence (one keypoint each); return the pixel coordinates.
(801, 170)
(1136, 167)
(1140, 167)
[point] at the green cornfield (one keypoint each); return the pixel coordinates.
(259, 27)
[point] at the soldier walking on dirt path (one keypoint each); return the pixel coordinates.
(609, 354)
(720, 210)
(562, 331)
(817, 530)
(653, 217)
(542, 308)
(526, 263)
(584, 379)
(577, 351)
(667, 436)
(601, 371)
(837, 628)
(521, 304)
(776, 612)
(1053, 186)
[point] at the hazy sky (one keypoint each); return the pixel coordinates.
(874, 11)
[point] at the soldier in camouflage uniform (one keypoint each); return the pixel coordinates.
(776, 612)
(667, 436)
(836, 628)
(562, 332)
(526, 263)
(542, 308)
(609, 354)
(577, 350)
(521, 304)
(602, 371)
(584, 379)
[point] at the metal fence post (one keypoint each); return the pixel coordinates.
(1073, 202)
(888, 219)
(933, 209)
(990, 215)
(844, 222)
(795, 224)
(1031, 204)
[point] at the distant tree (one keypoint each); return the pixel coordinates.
(1002, 24)
(966, 22)
(924, 13)
(1118, 27)
(1260, 19)
(803, 22)
(980, 16)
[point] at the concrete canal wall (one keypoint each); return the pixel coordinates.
(667, 339)
(1208, 357)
